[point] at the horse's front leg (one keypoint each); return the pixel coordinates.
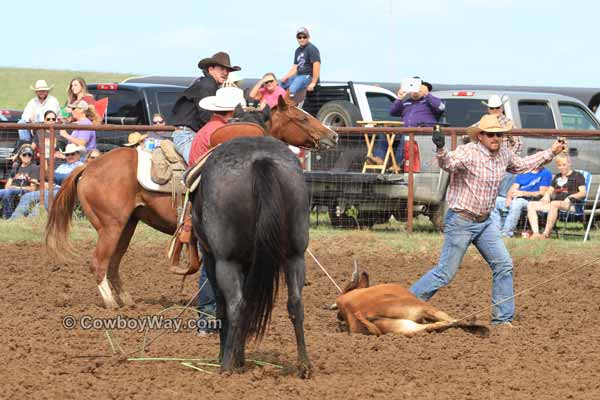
(208, 262)
(230, 282)
(295, 283)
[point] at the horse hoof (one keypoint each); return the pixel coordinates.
(304, 371)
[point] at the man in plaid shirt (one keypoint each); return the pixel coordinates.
(476, 170)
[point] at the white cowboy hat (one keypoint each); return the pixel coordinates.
(234, 76)
(494, 101)
(73, 148)
(226, 99)
(41, 85)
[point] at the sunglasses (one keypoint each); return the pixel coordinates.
(50, 119)
(301, 37)
(70, 154)
(160, 121)
(494, 108)
(269, 81)
(26, 155)
(492, 134)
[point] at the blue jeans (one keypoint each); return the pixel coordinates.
(28, 205)
(296, 83)
(7, 197)
(459, 233)
(381, 146)
(508, 224)
(182, 139)
(206, 299)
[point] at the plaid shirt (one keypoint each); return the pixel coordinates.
(475, 174)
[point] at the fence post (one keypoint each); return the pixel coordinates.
(453, 140)
(411, 183)
(51, 164)
(42, 143)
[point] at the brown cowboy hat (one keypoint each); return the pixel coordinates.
(135, 138)
(221, 58)
(488, 123)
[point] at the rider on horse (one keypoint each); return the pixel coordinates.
(189, 116)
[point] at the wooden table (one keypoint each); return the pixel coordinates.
(370, 139)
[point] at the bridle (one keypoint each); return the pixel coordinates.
(312, 133)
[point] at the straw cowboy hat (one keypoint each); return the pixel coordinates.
(221, 58)
(226, 99)
(73, 148)
(488, 123)
(494, 101)
(41, 85)
(135, 138)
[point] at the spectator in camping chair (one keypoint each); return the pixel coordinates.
(527, 187)
(568, 191)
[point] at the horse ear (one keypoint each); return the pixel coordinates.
(266, 112)
(238, 111)
(281, 103)
(363, 282)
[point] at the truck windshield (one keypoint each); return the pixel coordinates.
(380, 105)
(463, 112)
(124, 107)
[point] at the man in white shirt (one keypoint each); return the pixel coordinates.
(36, 107)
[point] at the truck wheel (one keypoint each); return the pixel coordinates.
(437, 215)
(339, 114)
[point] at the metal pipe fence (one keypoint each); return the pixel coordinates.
(354, 133)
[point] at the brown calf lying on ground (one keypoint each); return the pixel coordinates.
(390, 308)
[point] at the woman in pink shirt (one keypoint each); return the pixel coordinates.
(267, 91)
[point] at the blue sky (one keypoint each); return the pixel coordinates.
(550, 43)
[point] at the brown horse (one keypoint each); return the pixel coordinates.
(114, 202)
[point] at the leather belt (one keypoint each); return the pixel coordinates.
(471, 217)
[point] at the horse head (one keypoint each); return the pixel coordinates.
(298, 128)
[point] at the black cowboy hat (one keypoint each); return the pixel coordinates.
(221, 58)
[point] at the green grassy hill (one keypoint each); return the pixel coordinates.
(15, 83)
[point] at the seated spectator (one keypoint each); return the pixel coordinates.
(527, 187)
(29, 201)
(81, 137)
(36, 107)
(23, 179)
(306, 68)
(50, 117)
(418, 109)
(267, 91)
(568, 188)
(495, 106)
(77, 91)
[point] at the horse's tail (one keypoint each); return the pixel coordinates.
(59, 218)
(262, 279)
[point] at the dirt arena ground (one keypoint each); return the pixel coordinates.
(554, 353)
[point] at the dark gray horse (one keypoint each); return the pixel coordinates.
(254, 221)
(251, 212)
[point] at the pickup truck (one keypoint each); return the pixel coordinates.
(133, 104)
